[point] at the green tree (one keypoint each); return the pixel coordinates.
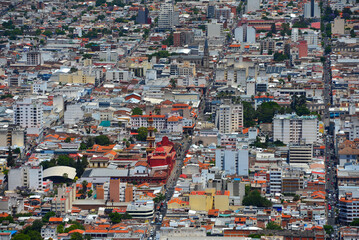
(74, 226)
(68, 140)
(249, 114)
(280, 57)
(254, 198)
(102, 140)
(141, 134)
(159, 54)
(115, 217)
(47, 216)
(65, 160)
(76, 236)
(169, 40)
(273, 226)
(173, 83)
(60, 228)
(10, 159)
(83, 146)
(21, 236)
(159, 197)
(266, 111)
(328, 229)
(352, 33)
(355, 222)
(137, 111)
(47, 33)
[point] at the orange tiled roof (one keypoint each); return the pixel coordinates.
(55, 219)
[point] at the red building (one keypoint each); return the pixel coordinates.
(164, 154)
(177, 39)
(303, 49)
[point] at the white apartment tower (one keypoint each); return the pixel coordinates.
(275, 180)
(214, 29)
(33, 58)
(295, 34)
(168, 17)
(245, 34)
(26, 176)
(290, 128)
(233, 162)
(29, 115)
(229, 118)
(311, 10)
(253, 5)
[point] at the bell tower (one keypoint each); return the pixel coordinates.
(150, 135)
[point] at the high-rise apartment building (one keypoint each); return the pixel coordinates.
(229, 118)
(211, 11)
(168, 17)
(275, 180)
(290, 128)
(245, 34)
(214, 29)
(253, 5)
(300, 153)
(26, 176)
(233, 162)
(33, 58)
(142, 17)
(29, 115)
(303, 49)
(311, 10)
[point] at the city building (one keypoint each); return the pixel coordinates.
(303, 49)
(347, 208)
(233, 162)
(229, 118)
(28, 114)
(73, 114)
(142, 16)
(245, 34)
(77, 77)
(214, 29)
(338, 26)
(168, 17)
(275, 181)
(33, 58)
(26, 176)
(311, 9)
(300, 153)
(291, 128)
(253, 5)
(12, 135)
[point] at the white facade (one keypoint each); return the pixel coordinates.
(308, 10)
(159, 121)
(295, 34)
(275, 180)
(291, 128)
(29, 115)
(119, 76)
(39, 87)
(253, 5)
(311, 37)
(229, 118)
(233, 162)
(168, 17)
(73, 114)
(245, 34)
(214, 30)
(108, 56)
(26, 176)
